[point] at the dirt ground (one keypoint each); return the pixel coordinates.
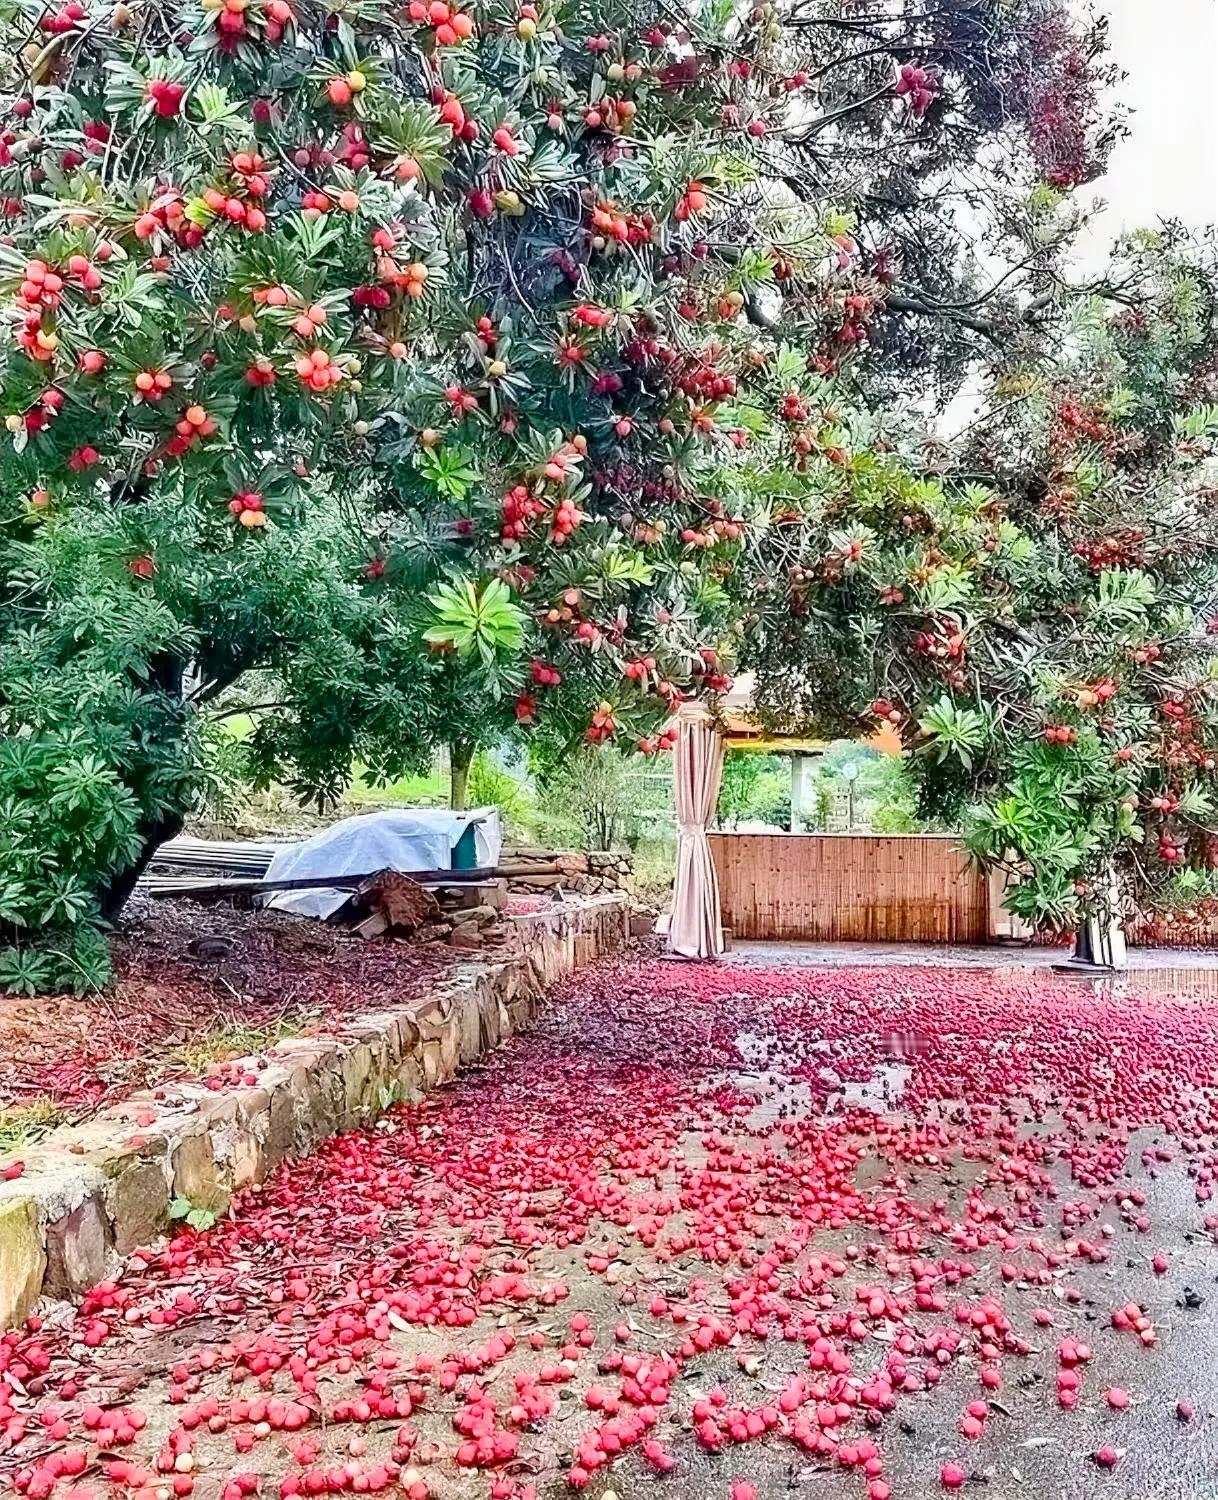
(706, 1231)
(168, 1010)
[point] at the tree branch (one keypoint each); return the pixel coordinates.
(899, 303)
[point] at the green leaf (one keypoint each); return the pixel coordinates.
(953, 730)
(476, 618)
(1124, 595)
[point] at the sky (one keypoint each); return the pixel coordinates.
(1168, 165)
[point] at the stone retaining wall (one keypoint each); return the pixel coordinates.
(531, 869)
(92, 1193)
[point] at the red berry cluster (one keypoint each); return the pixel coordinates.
(856, 312)
(66, 18)
(615, 115)
(917, 86)
(151, 385)
(41, 286)
(793, 408)
(586, 315)
(192, 427)
(1084, 420)
(692, 202)
(653, 745)
(705, 380)
(565, 519)
(376, 297)
(235, 210)
(603, 726)
(318, 370)
(452, 114)
(884, 708)
(610, 224)
(277, 16)
(944, 644)
(168, 216)
(519, 507)
(47, 407)
(1061, 102)
(461, 400)
(504, 139)
(246, 507)
(451, 25)
(1121, 549)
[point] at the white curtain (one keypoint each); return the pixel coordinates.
(696, 929)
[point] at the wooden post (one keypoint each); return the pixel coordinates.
(799, 783)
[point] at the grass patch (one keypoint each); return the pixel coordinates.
(23, 1124)
(655, 861)
(233, 1039)
(408, 791)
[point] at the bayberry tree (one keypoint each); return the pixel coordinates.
(624, 234)
(1031, 608)
(415, 355)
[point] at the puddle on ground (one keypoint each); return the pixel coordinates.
(781, 1097)
(1149, 984)
(878, 1095)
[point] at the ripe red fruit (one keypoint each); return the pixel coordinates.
(952, 1476)
(165, 97)
(481, 203)
(1106, 1458)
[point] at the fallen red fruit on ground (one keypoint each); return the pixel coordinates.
(699, 1221)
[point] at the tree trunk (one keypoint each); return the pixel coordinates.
(459, 758)
(116, 895)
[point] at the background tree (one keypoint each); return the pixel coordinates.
(1032, 611)
(182, 392)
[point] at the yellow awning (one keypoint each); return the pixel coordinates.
(781, 746)
(739, 737)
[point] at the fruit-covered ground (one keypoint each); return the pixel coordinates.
(858, 1233)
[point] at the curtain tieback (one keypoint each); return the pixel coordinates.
(691, 827)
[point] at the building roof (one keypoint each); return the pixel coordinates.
(743, 732)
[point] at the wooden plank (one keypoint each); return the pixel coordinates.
(182, 885)
(850, 888)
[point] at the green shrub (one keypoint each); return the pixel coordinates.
(490, 785)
